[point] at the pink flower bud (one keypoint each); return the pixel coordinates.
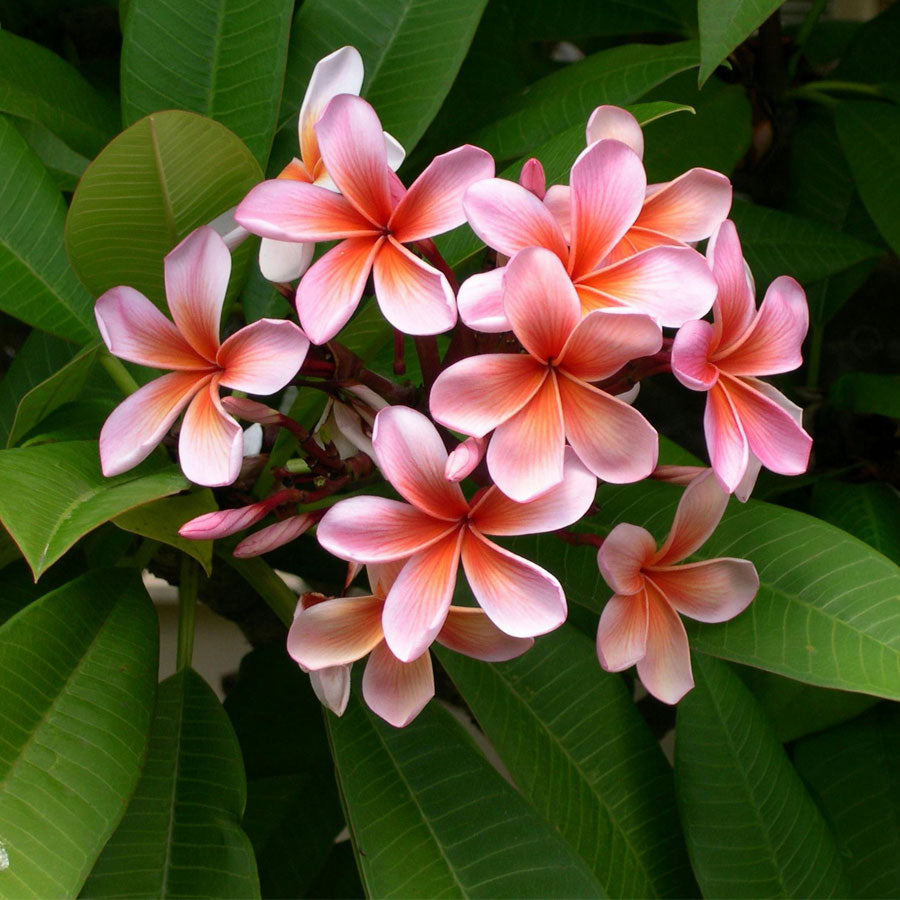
(532, 178)
(676, 474)
(251, 411)
(464, 458)
(223, 522)
(273, 536)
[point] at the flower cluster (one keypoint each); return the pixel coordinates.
(532, 394)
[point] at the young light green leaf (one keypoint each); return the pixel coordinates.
(181, 835)
(580, 752)
(726, 23)
(752, 829)
(77, 682)
(64, 165)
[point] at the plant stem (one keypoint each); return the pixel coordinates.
(118, 373)
(188, 585)
(262, 577)
(429, 359)
(433, 255)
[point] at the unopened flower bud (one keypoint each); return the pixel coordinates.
(251, 411)
(272, 536)
(532, 178)
(676, 474)
(464, 458)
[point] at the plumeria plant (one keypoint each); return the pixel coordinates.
(415, 404)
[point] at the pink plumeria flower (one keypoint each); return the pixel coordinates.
(640, 623)
(438, 526)
(747, 422)
(328, 637)
(608, 185)
(535, 401)
(373, 217)
(259, 359)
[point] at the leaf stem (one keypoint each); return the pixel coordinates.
(118, 373)
(188, 586)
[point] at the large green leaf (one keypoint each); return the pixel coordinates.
(726, 23)
(77, 682)
(579, 750)
(867, 393)
(164, 176)
(222, 58)
(872, 55)
(752, 829)
(826, 612)
(63, 164)
(37, 85)
(852, 771)
(55, 493)
(181, 835)
(37, 284)
(430, 817)
(541, 20)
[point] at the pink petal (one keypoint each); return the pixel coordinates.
(772, 342)
(558, 200)
(694, 344)
(210, 446)
(223, 522)
(611, 438)
(196, 276)
(622, 631)
(284, 260)
(665, 669)
(478, 393)
(332, 687)
(433, 203)
(462, 461)
(623, 554)
(607, 190)
(263, 357)
(725, 437)
(525, 455)
(612, 123)
(470, 632)
(141, 421)
(690, 208)
(636, 240)
(417, 603)
(382, 575)
(670, 284)
(604, 341)
(395, 690)
(714, 590)
(331, 290)
(272, 536)
(134, 329)
(532, 178)
(734, 308)
(351, 142)
(699, 511)
(509, 218)
(745, 488)
(480, 301)
(520, 598)
(414, 296)
(540, 302)
(336, 632)
(412, 457)
(375, 529)
(564, 504)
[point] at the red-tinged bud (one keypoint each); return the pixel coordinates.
(273, 536)
(462, 461)
(224, 522)
(308, 600)
(251, 411)
(532, 178)
(676, 474)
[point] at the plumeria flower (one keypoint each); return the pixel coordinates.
(438, 526)
(747, 422)
(608, 185)
(372, 217)
(640, 623)
(260, 359)
(535, 401)
(327, 637)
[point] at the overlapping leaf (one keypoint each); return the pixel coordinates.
(726, 23)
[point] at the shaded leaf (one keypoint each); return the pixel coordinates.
(872, 54)
(540, 20)
(867, 393)
(64, 165)
(726, 23)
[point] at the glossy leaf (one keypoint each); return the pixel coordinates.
(580, 752)
(222, 58)
(752, 829)
(867, 393)
(67, 496)
(181, 835)
(164, 176)
(37, 285)
(726, 23)
(77, 683)
(431, 817)
(64, 165)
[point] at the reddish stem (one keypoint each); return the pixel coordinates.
(429, 250)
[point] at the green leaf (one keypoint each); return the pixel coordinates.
(581, 753)
(411, 51)
(37, 285)
(430, 817)
(37, 85)
(68, 496)
(867, 393)
(63, 164)
(566, 98)
(872, 55)
(540, 20)
(751, 828)
(263, 579)
(77, 682)
(852, 772)
(181, 835)
(726, 23)
(161, 520)
(157, 181)
(869, 133)
(222, 58)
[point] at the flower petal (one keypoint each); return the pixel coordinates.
(395, 690)
(665, 669)
(480, 301)
(284, 260)
(714, 590)
(134, 329)
(611, 438)
(699, 511)
(433, 203)
(734, 307)
(415, 297)
(726, 441)
(332, 687)
(336, 632)
(196, 276)
(142, 420)
(558, 200)
(520, 598)
(690, 208)
(211, 443)
(263, 357)
(462, 460)
(469, 631)
(612, 123)
(623, 554)
(693, 345)
(636, 240)
(622, 631)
